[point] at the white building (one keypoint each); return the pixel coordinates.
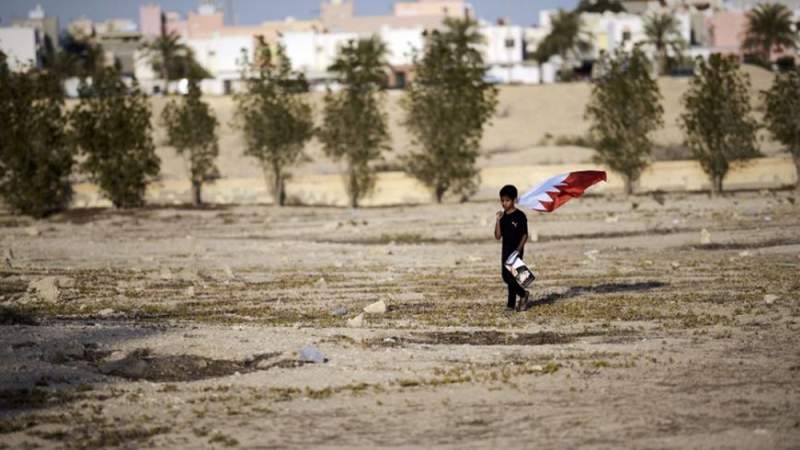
(20, 47)
(224, 57)
(312, 52)
(504, 54)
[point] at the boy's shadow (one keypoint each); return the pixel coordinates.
(605, 288)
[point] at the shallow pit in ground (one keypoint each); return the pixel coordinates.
(142, 364)
(488, 337)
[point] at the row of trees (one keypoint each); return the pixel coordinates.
(718, 123)
(447, 108)
(769, 28)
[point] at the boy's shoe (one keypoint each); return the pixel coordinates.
(524, 303)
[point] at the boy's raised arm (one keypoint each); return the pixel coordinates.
(497, 233)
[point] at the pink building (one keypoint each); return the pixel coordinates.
(151, 21)
(726, 31)
(174, 24)
(205, 24)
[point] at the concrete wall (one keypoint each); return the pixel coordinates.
(395, 188)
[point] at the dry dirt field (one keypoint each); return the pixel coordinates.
(180, 328)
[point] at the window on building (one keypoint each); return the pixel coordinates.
(509, 42)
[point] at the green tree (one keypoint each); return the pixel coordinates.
(113, 130)
(783, 113)
(174, 60)
(192, 129)
(624, 110)
(717, 121)
(276, 118)
(36, 152)
(769, 27)
(600, 6)
(354, 126)
(662, 32)
(78, 57)
(447, 107)
(567, 39)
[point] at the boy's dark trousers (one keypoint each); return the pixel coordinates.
(514, 289)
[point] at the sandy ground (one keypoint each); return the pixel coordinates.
(528, 122)
(180, 328)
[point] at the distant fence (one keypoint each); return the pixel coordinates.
(397, 188)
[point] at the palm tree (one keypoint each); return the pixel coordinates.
(769, 27)
(174, 60)
(662, 33)
(566, 39)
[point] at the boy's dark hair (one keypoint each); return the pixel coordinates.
(509, 191)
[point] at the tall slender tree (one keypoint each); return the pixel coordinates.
(624, 110)
(783, 113)
(192, 130)
(769, 27)
(36, 152)
(354, 127)
(275, 117)
(447, 107)
(662, 32)
(112, 128)
(718, 124)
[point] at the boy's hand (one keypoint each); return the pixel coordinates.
(499, 215)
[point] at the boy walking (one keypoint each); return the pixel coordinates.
(512, 226)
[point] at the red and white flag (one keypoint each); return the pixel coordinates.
(559, 189)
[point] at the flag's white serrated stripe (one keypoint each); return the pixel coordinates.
(536, 197)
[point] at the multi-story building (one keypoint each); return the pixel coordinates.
(47, 26)
(21, 47)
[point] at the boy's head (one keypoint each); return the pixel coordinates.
(507, 196)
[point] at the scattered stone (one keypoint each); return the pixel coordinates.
(187, 274)
(378, 307)
(321, 283)
(705, 237)
(612, 219)
(165, 273)
(675, 265)
(356, 322)
(533, 236)
(107, 312)
(228, 272)
(744, 254)
(46, 289)
(65, 282)
(339, 311)
(474, 258)
(32, 231)
(190, 292)
(592, 254)
(408, 297)
(770, 298)
(311, 354)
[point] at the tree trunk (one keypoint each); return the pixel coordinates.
(439, 193)
(278, 187)
(716, 185)
(628, 185)
(353, 191)
(197, 187)
(796, 159)
(662, 62)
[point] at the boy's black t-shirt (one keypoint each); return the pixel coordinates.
(512, 227)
